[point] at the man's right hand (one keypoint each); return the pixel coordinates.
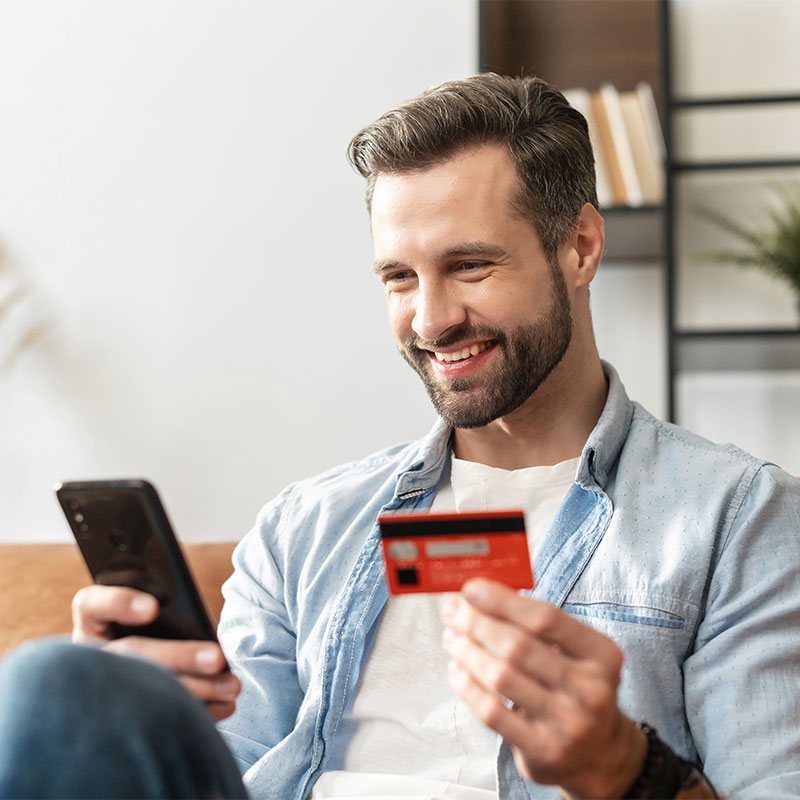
(199, 666)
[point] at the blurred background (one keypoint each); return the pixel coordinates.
(185, 277)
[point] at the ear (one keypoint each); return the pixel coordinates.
(584, 248)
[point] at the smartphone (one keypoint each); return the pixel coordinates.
(439, 552)
(125, 537)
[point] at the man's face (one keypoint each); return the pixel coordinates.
(475, 306)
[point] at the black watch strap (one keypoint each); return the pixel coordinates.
(664, 774)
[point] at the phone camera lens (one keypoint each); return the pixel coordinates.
(119, 540)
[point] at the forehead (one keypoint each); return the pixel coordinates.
(471, 194)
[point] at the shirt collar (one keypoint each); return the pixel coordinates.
(605, 442)
(428, 461)
(599, 454)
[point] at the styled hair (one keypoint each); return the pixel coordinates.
(547, 139)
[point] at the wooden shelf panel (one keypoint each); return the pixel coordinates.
(573, 43)
(716, 351)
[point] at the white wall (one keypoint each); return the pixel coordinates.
(175, 189)
(175, 192)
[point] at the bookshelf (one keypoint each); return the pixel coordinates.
(584, 43)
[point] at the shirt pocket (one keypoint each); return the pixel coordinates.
(631, 610)
(634, 613)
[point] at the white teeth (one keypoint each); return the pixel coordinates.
(460, 355)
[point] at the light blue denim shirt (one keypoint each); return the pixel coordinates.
(684, 552)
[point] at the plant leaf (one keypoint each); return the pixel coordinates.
(776, 249)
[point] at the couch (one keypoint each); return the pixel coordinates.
(37, 582)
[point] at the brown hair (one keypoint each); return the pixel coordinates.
(548, 141)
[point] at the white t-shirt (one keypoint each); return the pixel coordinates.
(408, 735)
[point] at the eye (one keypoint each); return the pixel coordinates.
(397, 278)
(472, 267)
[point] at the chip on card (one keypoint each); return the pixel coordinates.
(439, 552)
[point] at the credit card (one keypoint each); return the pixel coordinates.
(439, 552)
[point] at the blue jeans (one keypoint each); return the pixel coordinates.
(76, 721)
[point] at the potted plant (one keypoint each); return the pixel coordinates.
(775, 248)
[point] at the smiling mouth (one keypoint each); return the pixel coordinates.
(464, 353)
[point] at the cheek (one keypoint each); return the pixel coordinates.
(504, 305)
(401, 315)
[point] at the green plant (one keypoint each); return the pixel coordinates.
(775, 249)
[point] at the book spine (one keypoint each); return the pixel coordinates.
(608, 151)
(580, 100)
(609, 99)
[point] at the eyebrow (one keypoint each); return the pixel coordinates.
(475, 248)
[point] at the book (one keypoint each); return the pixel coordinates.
(648, 102)
(580, 99)
(646, 141)
(658, 146)
(616, 147)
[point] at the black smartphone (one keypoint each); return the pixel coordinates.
(126, 539)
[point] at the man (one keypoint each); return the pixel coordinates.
(666, 594)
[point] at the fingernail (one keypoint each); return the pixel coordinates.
(227, 686)
(447, 637)
(475, 592)
(207, 658)
(143, 604)
(456, 675)
(449, 608)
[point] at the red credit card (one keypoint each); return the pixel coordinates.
(427, 552)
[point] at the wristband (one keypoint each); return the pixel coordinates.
(664, 774)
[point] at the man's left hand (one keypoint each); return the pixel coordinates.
(564, 727)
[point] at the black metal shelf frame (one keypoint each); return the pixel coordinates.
(732, 350)
(712, 350)
(708, 166)
(755, 100)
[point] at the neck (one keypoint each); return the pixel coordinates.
(551, 426)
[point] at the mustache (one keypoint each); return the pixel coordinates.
(414, 343)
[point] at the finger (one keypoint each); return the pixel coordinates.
(220, 711)
(490, 709)
(542, 751)
(201, 659)
(224, 688)
(546, 662)
(575, 706)
(95, 607)
(548, 623)
(500, 677)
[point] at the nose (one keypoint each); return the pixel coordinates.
(436, 311)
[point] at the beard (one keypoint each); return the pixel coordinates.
(528, 354)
